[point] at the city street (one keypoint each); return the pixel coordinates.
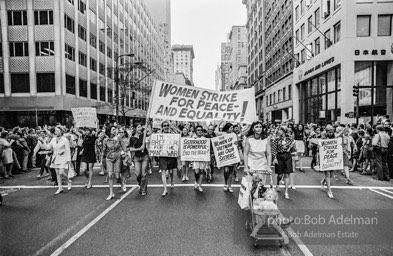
(34, 221)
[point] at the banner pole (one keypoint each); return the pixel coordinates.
(148, 112)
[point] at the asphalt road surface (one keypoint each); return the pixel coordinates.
(34, 221)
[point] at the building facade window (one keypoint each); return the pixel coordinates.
(385, 25)
(317, 17)
(101, 47)
(81, 6)
(69, 23)
(93, 91)
(337, 32)
(44, 49)
(302, 31)
(82, 88)
(109, 52)
(317, 43)
(93, 64)
(20, 83)
(1, 83)
(70, 84)
(110, 95)
(363, 24)
(93, 40)
(102, 69)
(303, 56)
(327, 39)
(284, 94)
(337, 4)
(69, 52)
(45, 82)
(82, 59)
(297, 13)
(289, 92)
(43, 17)
(19, 49)
(310, 25)
(82, 32)
(92, 16)
(17, 18)
(102, 93)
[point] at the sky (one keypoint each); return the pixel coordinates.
(205, 24)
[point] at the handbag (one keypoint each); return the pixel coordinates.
(244, 194)
(71, 172)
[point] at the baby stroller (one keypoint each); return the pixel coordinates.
(267, 222)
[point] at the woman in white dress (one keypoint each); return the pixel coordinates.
(61, 157)
(199, 166)
(257, 151)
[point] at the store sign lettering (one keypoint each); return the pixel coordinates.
(372, 52)
(326, 62)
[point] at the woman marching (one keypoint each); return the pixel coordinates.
(61, 158)
(167, 164)
(141, 158)
(282, 158)
(199, 166)
(328, 174)
(88, 155)
(257, 151)
(185, 165)
(113, 147)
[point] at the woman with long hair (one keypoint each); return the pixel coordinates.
(126, 159)
(113, 147)
(282, 158)
(185, 165)
(199, 166)
(61, 157)
(141, 159)
(257, 151)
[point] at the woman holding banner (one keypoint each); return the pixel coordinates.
(229, 169)
(113, 148)
(167, 164)
(213, 162)
(328, 174)
(199, 166)
(88, 155)
(257, 151)
(185, 165)
(141, 158)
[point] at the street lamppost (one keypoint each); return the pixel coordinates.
(117, 99)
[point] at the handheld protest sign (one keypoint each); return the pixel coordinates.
(85, 117)
(330, 155)
(195, 149)
(225, 150)
(164, 144)
(193, 104)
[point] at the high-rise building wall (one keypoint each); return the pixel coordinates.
(224, 66)
(218, 78)
(238, 58)
(183, 57)
(57, 55)
(278, 57)
(342, 45)
(160, 10)
(255, 50)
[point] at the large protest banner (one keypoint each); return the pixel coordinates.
(85, 117)
(188, 103)
(195, 149)
(330, 155)
(164, 144)
(225, 150)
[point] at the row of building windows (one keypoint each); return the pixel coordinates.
(19, 18)
(281, 96)
(384, 26)
(326, 8)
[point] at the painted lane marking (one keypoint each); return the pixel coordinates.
(387, 191)
(299, 243)
(388, 196)
(91, 224)
(203, 185)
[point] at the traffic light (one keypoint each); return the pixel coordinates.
(355, 91)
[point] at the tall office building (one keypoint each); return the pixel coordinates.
(160, 10)
(56, 55)
(255, 51)
(270, 51)
(238, 58)
(342, 46)
(224, 66)
(183, 57)
(218, 79)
